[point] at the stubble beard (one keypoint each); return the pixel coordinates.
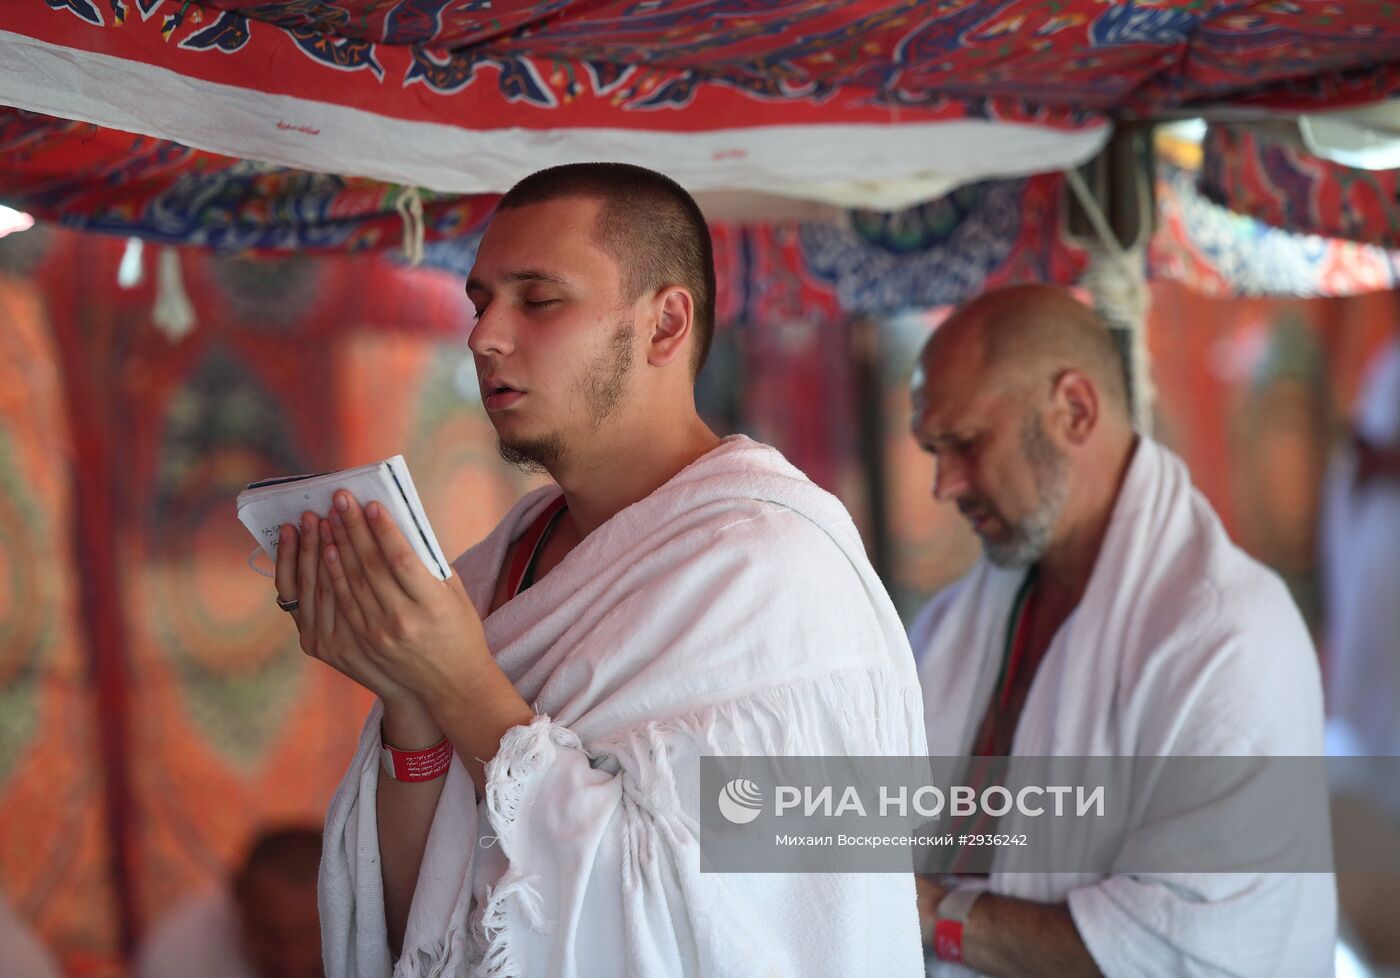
(603, 386)
(1029, 537)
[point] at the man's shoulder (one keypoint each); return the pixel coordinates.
(770, 532)
(1216, 636)
(1210, 584)
(778, 563)
(747, 484)
(1170, 550)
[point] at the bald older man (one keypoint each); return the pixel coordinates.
(1111, 615)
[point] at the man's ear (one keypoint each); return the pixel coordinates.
(1078, 404)
(675, 315)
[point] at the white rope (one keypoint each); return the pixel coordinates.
(410, 207)
(1117, 279)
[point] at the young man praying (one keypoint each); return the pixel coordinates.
(671, 595)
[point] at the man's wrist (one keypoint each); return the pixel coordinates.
(408, 725)
(475, 711)
(952, 915)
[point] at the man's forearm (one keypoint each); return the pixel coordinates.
(1009, 938)
(404, 813)
(474, 723)
(477, 716)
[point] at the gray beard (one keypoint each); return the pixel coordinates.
(1029, 538)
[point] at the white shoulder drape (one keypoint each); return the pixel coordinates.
(731, 612)
(1181, 646)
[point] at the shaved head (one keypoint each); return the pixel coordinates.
(1023, 337)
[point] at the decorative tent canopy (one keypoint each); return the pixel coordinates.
(1266, 173)
(856, 103)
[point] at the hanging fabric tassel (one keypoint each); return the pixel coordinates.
(132, 271)
(410, 207)
(174, 315)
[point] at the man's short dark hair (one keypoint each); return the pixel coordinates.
(648, 225)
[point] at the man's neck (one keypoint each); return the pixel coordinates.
(1067, 565)
(603, 483)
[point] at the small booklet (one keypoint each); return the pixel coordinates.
(264, 506)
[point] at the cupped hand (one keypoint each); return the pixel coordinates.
(324, 632)
(421, 632)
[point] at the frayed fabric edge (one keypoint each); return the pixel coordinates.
(523, 751)
(489, 924)
(439, 959)
(527, 749)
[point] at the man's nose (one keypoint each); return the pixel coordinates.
(491, 334)
(949, 480)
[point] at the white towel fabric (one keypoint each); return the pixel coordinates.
(732, 611)
(1361, 566)
(1182, 645)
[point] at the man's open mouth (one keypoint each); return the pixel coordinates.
(500, 394)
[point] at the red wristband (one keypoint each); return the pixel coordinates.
(416, 765)
(948, 940)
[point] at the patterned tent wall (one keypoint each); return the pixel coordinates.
(156, 706)
(55, 860)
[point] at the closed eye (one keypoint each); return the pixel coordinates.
(540, 303)
(951, 446)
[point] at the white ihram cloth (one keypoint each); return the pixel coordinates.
(1181, 645)
(732, 611)
(1361, 564)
